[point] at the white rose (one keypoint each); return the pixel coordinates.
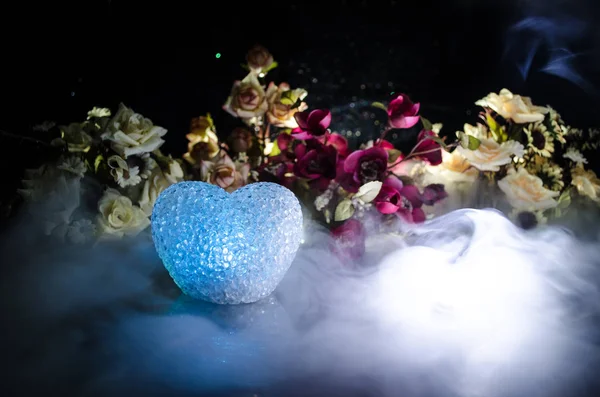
(119, 217)
(527, 192)
(131, 133)
(490, 155)
(513, 107)
(155, 184)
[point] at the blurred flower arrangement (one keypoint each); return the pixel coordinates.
(120, 157)
(525, 151)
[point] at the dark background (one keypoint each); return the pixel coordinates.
(61, 59)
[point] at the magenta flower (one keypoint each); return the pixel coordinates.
(388, 201)
(284, 141)
(364, 166)
(312, 124)
(349, 239)
(430, 149)
(317, 163)
(382, 143)
(339, 143)
(402, 200)
(285, 175)
(402, 113)
(433, 193)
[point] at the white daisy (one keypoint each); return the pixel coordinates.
(123, 174)
(73, 165)
(575, 156)
(81, 231)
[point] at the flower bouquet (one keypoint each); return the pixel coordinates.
(281, 140)
(524, 155)
(104, 179)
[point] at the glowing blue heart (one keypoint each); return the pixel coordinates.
(227, 248)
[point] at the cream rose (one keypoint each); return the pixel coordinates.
(478, 131)
(119, 216)
(527, 192)
(490, 155)
(247, 99)
(131, 133)
(454, 168)
(586, 182)
(281, 99)
(513, 107)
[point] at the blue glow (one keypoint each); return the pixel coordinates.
(227, 248)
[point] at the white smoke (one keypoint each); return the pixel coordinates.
(466, 305)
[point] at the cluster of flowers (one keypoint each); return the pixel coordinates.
(121, 155)
(527, 152)
(282, 141)
(524, 151)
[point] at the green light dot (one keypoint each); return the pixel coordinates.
(218, 55)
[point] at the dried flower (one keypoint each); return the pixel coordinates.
(240, 140)
(260, 60)
(283, 104)
(247, 99)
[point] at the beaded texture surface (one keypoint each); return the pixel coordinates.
(227, 248)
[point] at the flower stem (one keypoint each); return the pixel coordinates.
(417, 154)
(383, 134)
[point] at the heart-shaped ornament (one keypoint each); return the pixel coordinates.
(227, 248)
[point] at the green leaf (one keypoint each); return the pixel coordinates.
(379, 105)
(498, 131)
(557, 213)
(288, 97)
(275, 150)
(97, 162)
(469, 141)
(393, 155)
(426, 124)
(271, 67)
(439, 141)
(344, 210)
(368, 191)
